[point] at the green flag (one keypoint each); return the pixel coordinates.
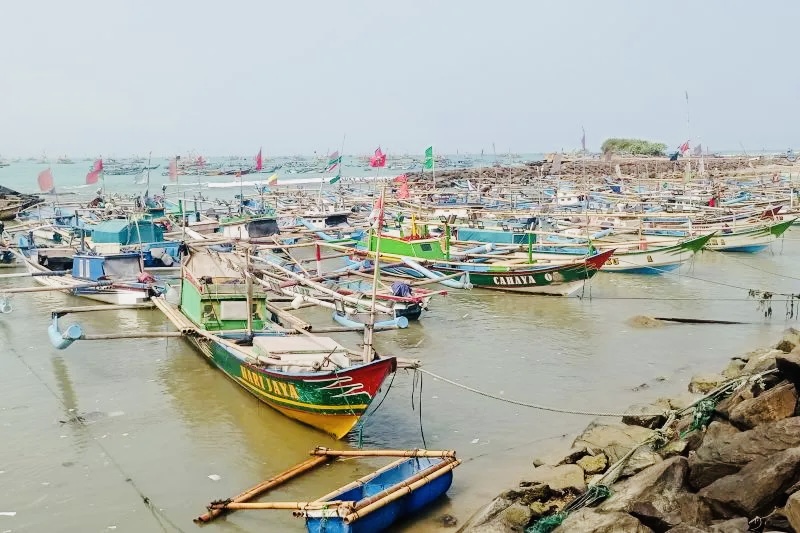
(334, 179)
(428, 165)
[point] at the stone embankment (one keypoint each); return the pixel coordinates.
(724, 465)
(631, 168)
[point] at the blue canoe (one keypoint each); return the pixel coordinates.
(370, 504)
(375, 502)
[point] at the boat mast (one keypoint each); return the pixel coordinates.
(369, 327)
(249, 286)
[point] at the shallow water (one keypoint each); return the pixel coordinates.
(159, 420)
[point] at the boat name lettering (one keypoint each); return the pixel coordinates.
(519, 280)
(278, 388)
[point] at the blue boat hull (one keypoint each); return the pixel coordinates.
(383, 518)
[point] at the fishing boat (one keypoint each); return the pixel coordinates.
(424, 258)
(116, 279)
(306, 377)
(370, 504)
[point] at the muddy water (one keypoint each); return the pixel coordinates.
(157, 421)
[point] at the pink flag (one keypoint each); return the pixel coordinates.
(402, 192)
(200, 161)
(684, 147)
(94, 174)
(378, 160)
(173, 169)
(375, 217)
(46, 181)
(259, 162)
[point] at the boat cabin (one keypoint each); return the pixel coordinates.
(246, 228)
(124, 266)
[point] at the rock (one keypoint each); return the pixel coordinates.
(658, 497)
(725, 407)
(704, 383)
(539, 509)
(573, 455)
(642, 458)
(483, 520)
(776, 403)
(641, 321)
(785, 346)
(679, 402)
(734, 368)
(736, 525)
(789, 340)
(516, 516)
(755, 353)
(588, 520)
(594, 464)
(686, 528)
(762, 363)
(789, 366)
(777, 520)
(529, 493)
(724, 453)
(615, 440)
(559, 477)
(792, 510)
(756, 488)
(673, 448)
(448, 520)
(644, 415)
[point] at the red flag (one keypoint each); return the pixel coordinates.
(94, 174)
(684, 147)
(259, 162)
(46, 180)
(402, 178)
(402, 193)
(173, 169)
(378, 160)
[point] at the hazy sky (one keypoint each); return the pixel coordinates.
(227, 76)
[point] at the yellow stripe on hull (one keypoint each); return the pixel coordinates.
(336, 425)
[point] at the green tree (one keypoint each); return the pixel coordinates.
(633, 147)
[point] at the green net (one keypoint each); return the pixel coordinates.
(703, 412)
(547, 524)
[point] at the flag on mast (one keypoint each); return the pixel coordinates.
(378, 160)
(333, 161)
(402, 192)
(428, 164)
(173, 169)
(94, 174)
(684, 147)
(273, 180)
(259, 162)
(336, 178)
(46, 181)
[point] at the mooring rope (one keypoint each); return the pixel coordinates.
(537, 406)
(158, 514)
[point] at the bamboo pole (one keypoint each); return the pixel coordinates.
(292, 506)
(133, 335)
(62, 288)
(322, 451)
(35, 274)
(109, 307)
(296, 322)
(402, 490)
(264, 486)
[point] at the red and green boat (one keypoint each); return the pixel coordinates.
(309, 378)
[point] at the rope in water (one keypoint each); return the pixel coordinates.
(160, 517)
(534, 405)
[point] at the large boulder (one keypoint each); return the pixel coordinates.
(705, 383)
(647, 415)
(734, 368)
(593, 464)
(789, 341)
(792, 510)
(757, 488)
(614, 439)
(726, 453)
(559, 477)
(789, 366)
(589, 520)
(735, 525)
(776, 403)
(762, 362)
(658, 497)
(516, 516)
(643, 457)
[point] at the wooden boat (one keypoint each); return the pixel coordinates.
(426, 257)
(371, 504)
(308, 378)
(113, 278)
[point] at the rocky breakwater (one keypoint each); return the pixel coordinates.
(660, 168)
(725, 458)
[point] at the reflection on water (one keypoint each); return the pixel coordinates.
(182, 420)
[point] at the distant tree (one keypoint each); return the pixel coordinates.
(633, 147)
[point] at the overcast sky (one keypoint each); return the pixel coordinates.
(89, 77)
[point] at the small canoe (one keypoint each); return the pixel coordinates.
(397, 491)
